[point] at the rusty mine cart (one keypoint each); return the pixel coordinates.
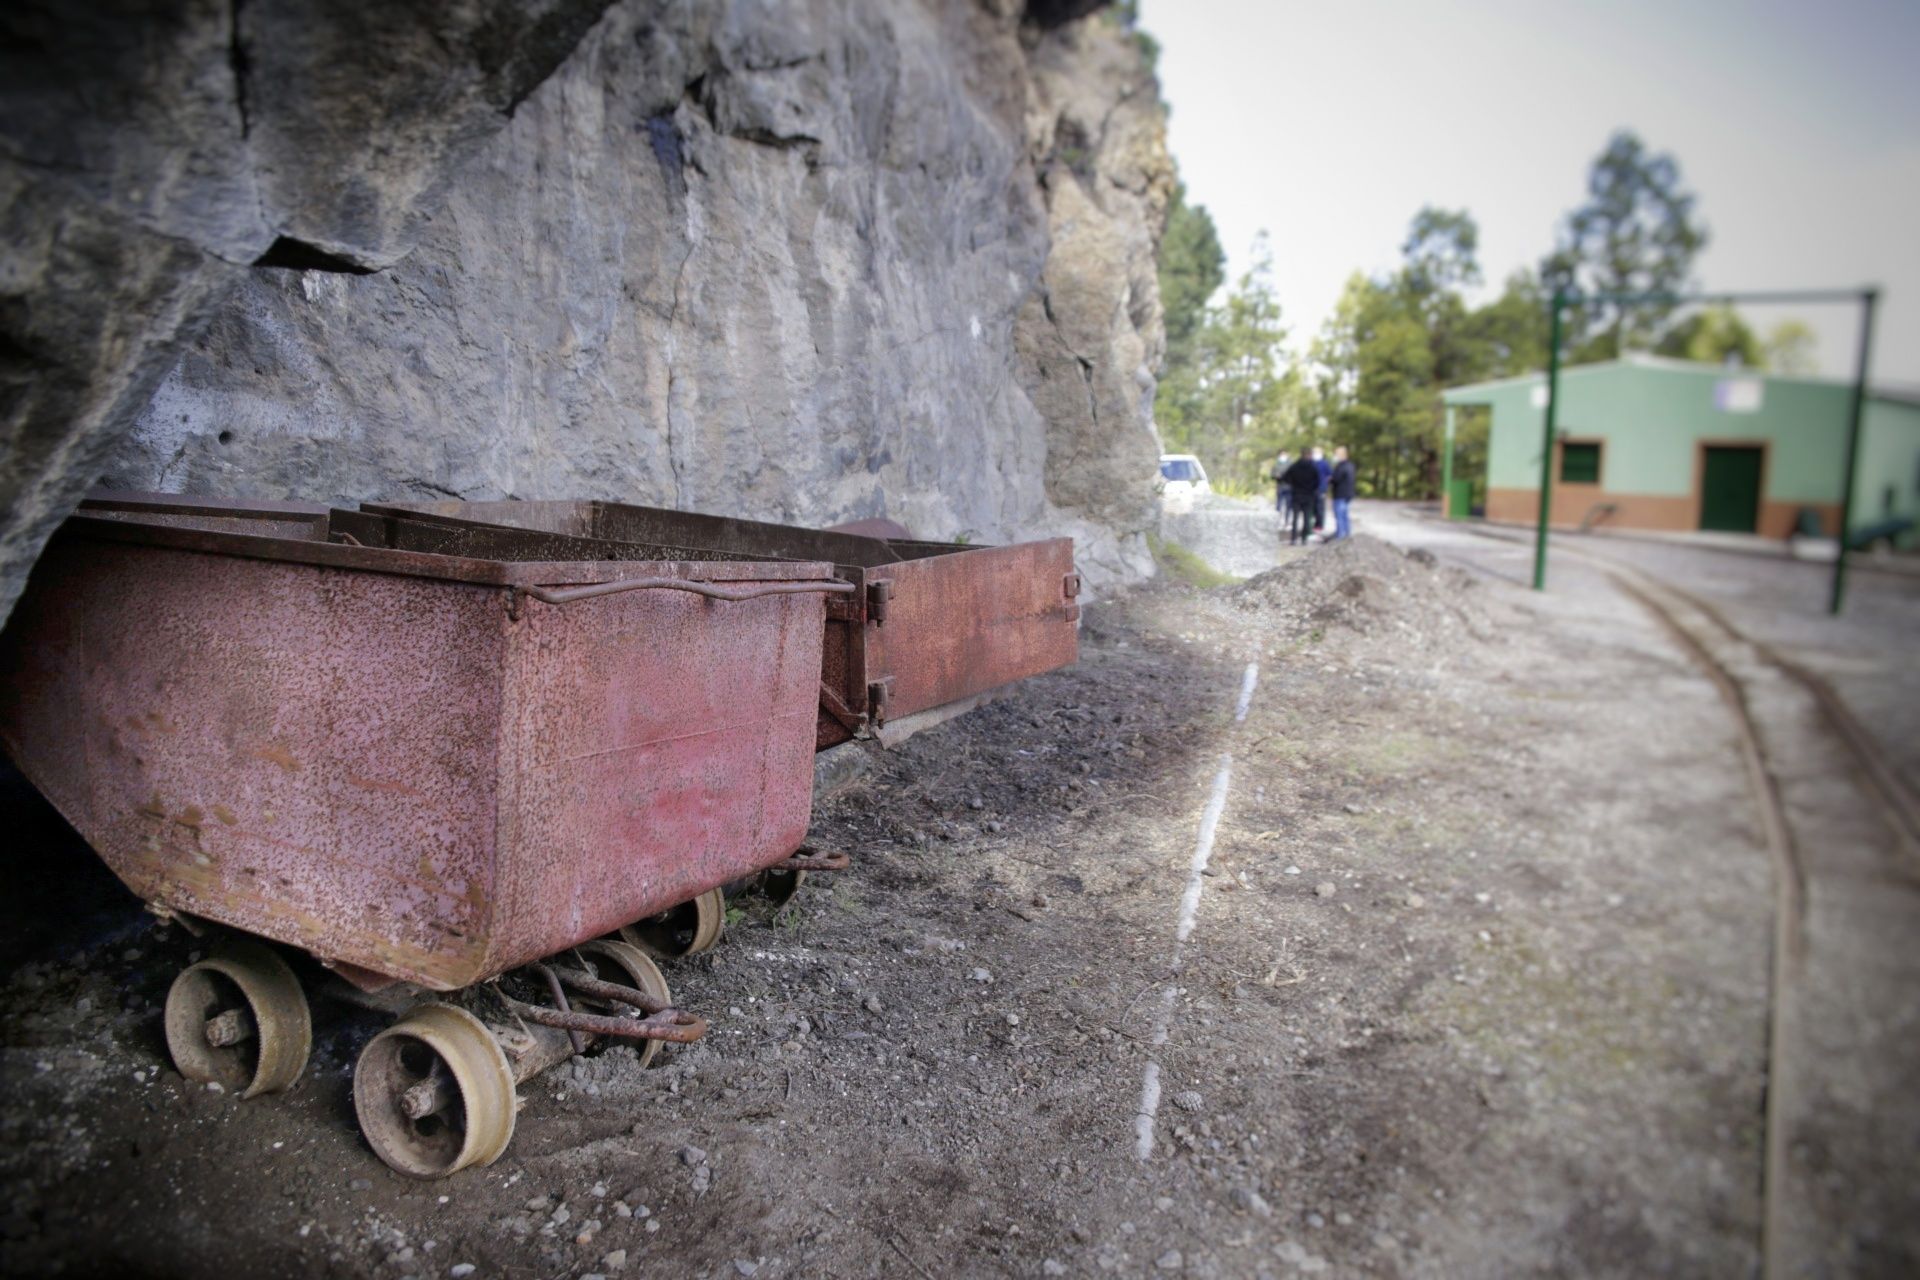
(484, 762)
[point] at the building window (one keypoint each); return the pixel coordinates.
(1579, 463)
(1739, 395)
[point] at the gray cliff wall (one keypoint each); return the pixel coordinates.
(150, 153)
(806, 260)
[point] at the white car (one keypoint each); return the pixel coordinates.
(1182, 479)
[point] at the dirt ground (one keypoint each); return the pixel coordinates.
(1475, 986)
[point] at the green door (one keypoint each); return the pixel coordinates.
(1730, 489)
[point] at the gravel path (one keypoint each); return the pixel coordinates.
(1474, 985)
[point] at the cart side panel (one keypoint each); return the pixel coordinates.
(660, 744)
(962, 624)
(41, 708)
(843, 666)
(302, 752)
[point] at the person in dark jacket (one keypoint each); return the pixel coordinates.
(1282, 496)
(1340, 483)
(1302, 481)
(1325, 471)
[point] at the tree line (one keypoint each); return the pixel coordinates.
(1235, 390)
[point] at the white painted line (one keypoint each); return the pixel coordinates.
(1247, 681)
(1203, 851)
(1149, 1107)
(1165, 1017)
(1148, 1114)
(1150, 1082)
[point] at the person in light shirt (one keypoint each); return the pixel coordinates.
(1340, 483)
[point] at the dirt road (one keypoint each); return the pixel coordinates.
(1830, 702)
(1373, 918)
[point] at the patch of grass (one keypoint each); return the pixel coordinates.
(1388, 753)
(1234, 487)
(1568, 1028)
(1183, 564)
(1076, 158)
(847, 898)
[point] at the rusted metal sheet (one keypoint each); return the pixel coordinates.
(960, 624)
(657, 526)
(348, 540)
(874, 527)
(671, 1025)
(406, 762)
(932, 629)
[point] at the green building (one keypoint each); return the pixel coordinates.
(1650, 443)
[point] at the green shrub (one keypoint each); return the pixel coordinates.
(1183, 564)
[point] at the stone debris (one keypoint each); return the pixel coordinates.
(1295, 1255)
(1363, 584)
(1247, 1200)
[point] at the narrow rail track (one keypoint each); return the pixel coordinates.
(1735, 661)
(1898, 802)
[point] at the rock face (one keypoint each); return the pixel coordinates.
(150, 153)
(1089, 335)
(807, 260)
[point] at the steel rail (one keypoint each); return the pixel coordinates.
(1899, 803)
(1898, 806)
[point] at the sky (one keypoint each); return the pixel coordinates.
(1329, 124)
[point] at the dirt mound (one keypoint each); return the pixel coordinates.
(1365, 585)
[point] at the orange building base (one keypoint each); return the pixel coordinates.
(1575, 504)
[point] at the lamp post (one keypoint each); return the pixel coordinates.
(1546, 441)
(1868, 300)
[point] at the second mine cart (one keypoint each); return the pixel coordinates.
(930, 630)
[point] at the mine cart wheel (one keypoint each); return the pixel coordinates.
(434, 1093)
(712, 906)
(238, 1019)
(778, 886)
(686, 930)
(629, 966)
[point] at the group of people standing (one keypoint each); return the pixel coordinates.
(1301, 488)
